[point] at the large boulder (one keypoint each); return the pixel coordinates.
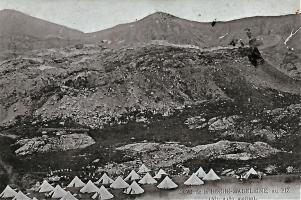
(139, 147)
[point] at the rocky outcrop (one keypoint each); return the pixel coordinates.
(197, 122)
(161, 155)
(166, 155)
(119, 169)
(214, 124)
(47, 144)
(288, 114)
(235, 150)
(268, 133)
(222, 124)
(139, 147)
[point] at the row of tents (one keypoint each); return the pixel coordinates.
(102, 192)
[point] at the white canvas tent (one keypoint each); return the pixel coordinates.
(21, 196)
(160, 173)
(251, 174)
(8, 192)
(134, 188)
(132, 176)
(76, 182)
(90, 187)
(68, 196)
(167, 183)
(45, 187)
(147, 179)
(194, 180)
(119, 183)
(103, 194)
(57, 192)
(143, 169)
(211, 176)
(200, 173)
(104, 180)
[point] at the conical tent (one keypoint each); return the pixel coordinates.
(104, 180)
(57, 192)
(76, 182)
(8, 192)
(119, 183)
(90, 187)
(211, 176)
(21, 196)
(147, 179)
(167, 183)
(143, 169)
(134, 188)
(200, 173)
(132, 176)
(68, 196)
(45, 187)
(160, 173)
(194, 180)
(103, 194)
(251, 174)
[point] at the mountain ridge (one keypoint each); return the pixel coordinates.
(25, 33)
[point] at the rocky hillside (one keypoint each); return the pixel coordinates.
(95, 86)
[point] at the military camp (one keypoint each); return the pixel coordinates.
(130, 184)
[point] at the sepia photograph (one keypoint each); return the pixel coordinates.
(150, 99)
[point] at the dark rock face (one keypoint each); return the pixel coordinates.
(255, 57)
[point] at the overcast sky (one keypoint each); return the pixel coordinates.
(94, 15)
